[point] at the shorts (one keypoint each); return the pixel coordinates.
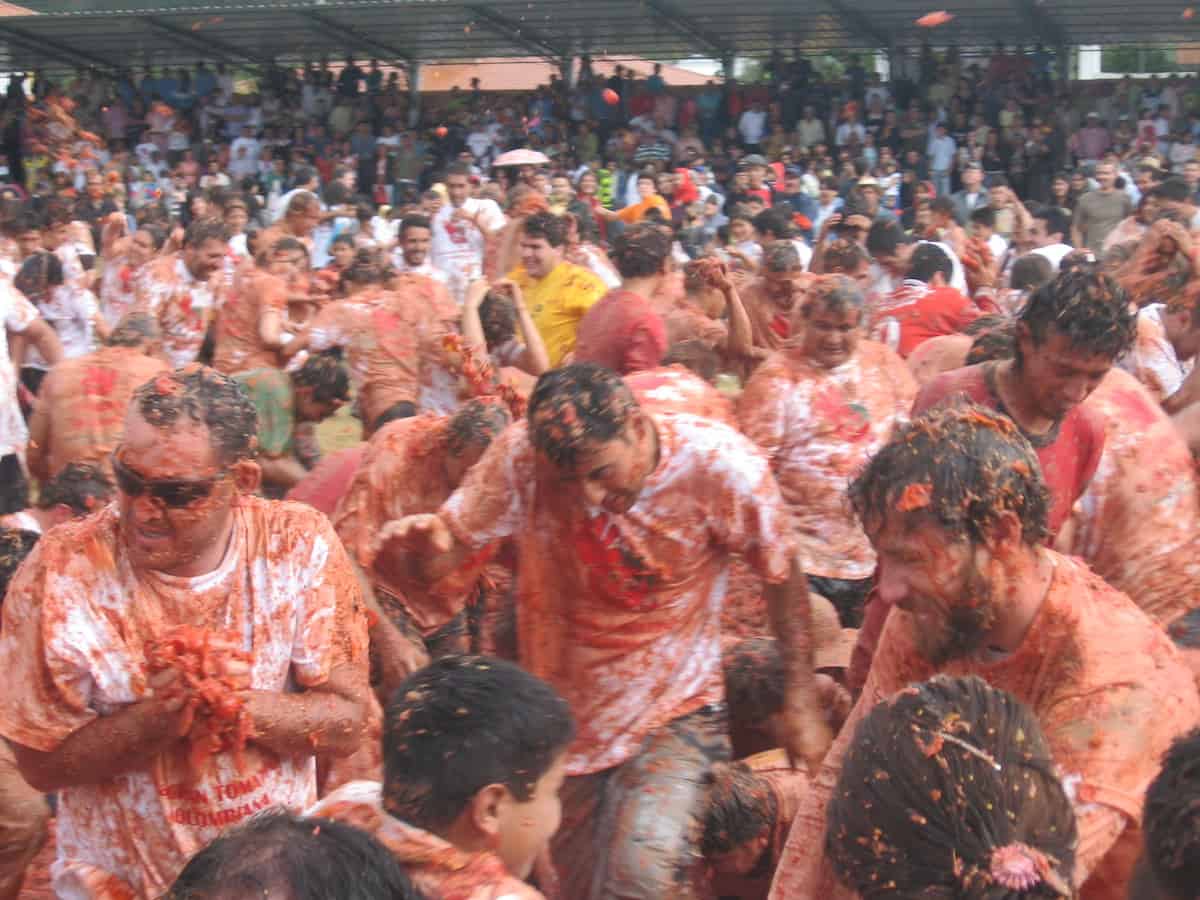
(633, 831)
(847, 596)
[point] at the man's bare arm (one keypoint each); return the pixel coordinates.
(325, 719)
(790, 611)
(104, 748)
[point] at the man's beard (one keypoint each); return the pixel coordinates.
(966, 626)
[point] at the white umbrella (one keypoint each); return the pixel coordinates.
(521, 157)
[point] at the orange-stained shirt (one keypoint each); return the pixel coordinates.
(675, 389)
(819, 427)
(183, 305)
(1109, 690)
(404, 354)
(1068, 454)
(239, 346)
(637, 211)
(440, 870)
(1138, 523)
(80, 413)
(621, 613)
(402, 473)
(76, 621)
(915, 312)
(346, 323)
(1152, 359)
(116, 294)
(328, 481)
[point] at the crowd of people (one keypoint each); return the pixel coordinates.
(784, 490)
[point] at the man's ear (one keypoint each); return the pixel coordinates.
(485, 811)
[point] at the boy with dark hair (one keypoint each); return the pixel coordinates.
(924, 306)
(474, 753)
(78, 490)
(279, 854)
(1170, 865)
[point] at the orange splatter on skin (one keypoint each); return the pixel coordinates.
(914, 497)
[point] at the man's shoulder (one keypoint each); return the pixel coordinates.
(969, 380)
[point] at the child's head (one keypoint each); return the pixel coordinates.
(474, 749)
(342, 250)
(983, 223)
(1170, 867)
(739, 821)
(951, 764)
(278, 854)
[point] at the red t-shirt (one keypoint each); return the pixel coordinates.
(623, 332)
(1069, 455)
(914, 313)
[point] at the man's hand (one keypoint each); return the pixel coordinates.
(806, 737)
(425, 533)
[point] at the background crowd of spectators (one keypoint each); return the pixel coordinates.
(172, 136)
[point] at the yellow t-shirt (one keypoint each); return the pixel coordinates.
(557, 302)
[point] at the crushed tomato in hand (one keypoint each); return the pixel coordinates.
(219, 718)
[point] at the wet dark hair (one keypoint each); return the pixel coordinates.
(883, 237)
(461, 724)
(326, 375)
(279, 854)
(80, 487)
(15, 545)
(546, 225)
(158, 236)
(836, 293)
(42, 270)
(844, 256)
(1030, 271)
(754, 680)
(640, 250)
(960, 464)
(775, 223)
(498, 317)
(985, 216)
(134, 330)
(741, 806)
(1056, 220)
(928, 260)
(346, 239)
(780, 256)
(363, 269)
(475, 424)
(414, 222)
(1171, 820)
(949, 790)
(576, 407)
(209, 398)
(992, 345)
(695, 356)
(1089, 308)
(943, 205)
(1175, 190)
(202, 231)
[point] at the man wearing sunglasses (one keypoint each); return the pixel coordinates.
(186, 543)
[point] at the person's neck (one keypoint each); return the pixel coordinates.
(1022, 590)
(645, 287)
(1017, 396)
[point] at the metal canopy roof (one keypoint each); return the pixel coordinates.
(135, 32)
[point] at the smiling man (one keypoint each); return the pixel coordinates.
(819, 409)
(956, 509)
(186, 543)
(625, 524)
(557, 293)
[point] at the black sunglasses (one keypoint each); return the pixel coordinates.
(174, 493)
